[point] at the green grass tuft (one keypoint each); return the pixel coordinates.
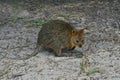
(38, 22)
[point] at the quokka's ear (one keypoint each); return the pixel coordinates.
(81, 31)
(74, 32)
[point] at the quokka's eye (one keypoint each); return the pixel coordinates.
(77, 41)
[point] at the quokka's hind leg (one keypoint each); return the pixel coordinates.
(57, 52)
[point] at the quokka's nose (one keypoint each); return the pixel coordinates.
(80, 45)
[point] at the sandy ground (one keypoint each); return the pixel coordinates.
(18, 36)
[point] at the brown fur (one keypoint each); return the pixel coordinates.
(57, 34)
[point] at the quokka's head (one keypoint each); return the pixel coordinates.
(77, 38)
